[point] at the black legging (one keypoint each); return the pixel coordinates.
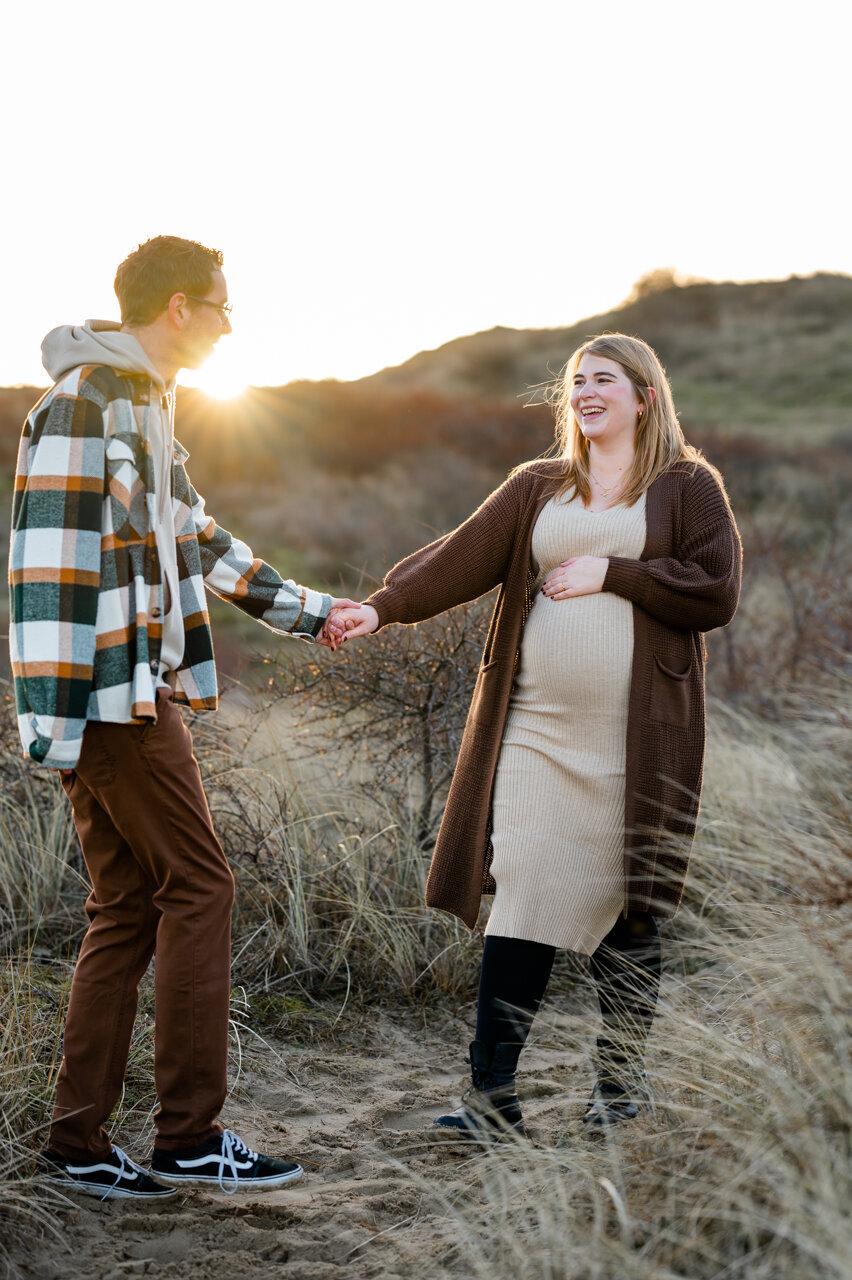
(626, 971)
(512, 982)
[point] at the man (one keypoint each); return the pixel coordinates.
(111, 552)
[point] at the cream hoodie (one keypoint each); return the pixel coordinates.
(102, 342)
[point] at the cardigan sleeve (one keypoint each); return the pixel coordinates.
(699, 588)
(460, 566)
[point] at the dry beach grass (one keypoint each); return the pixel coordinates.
(346, 1039)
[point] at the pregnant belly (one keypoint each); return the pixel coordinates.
(576, 655)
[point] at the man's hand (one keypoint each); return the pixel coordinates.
(333, 629)
(358, 621)
(579, 576)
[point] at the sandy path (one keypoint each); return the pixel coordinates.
(351, 1111)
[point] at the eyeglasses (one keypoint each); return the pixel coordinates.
(224, 308)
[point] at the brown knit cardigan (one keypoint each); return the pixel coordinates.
(686, 581)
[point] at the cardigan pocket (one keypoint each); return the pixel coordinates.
(483, 703)
(670, 695)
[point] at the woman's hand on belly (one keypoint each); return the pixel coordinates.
(579, 576)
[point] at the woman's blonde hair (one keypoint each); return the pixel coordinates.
(659, 439)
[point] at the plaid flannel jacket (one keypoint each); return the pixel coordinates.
(85, 580)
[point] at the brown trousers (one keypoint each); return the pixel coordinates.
(161, 887)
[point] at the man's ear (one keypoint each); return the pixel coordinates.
(178, 310)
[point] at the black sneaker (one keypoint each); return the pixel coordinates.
(113, 1177)
(223, 1161)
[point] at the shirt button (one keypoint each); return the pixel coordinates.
(156, 613)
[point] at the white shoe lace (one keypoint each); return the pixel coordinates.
(127, 1168)
(232, 1146)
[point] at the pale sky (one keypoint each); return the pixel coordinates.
(384, 176)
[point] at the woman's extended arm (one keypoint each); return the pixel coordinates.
(458, 567)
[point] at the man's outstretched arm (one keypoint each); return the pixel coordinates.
(232, 572)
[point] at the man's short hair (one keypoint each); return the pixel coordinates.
(159, 268)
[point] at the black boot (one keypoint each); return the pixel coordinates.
(616, 1099)
(490, 1108)
(626, 968)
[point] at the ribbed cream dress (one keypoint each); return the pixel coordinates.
(558, 816)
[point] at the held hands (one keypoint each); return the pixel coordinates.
(333, 630)
(359, 621)
(579, 576)
(347, 620)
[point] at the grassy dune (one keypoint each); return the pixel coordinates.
(335, 481)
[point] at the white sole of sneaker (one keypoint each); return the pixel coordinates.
(110, 1193)
(176, 1180)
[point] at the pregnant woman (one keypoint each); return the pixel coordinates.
(575, 794)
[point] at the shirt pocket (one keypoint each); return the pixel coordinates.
(670, 694)
(125, 486)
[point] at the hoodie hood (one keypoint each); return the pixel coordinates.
(96, 342)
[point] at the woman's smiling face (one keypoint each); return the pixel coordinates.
(605, 402)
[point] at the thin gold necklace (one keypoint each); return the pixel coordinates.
(606, 492)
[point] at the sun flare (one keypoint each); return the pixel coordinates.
(218, 379)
